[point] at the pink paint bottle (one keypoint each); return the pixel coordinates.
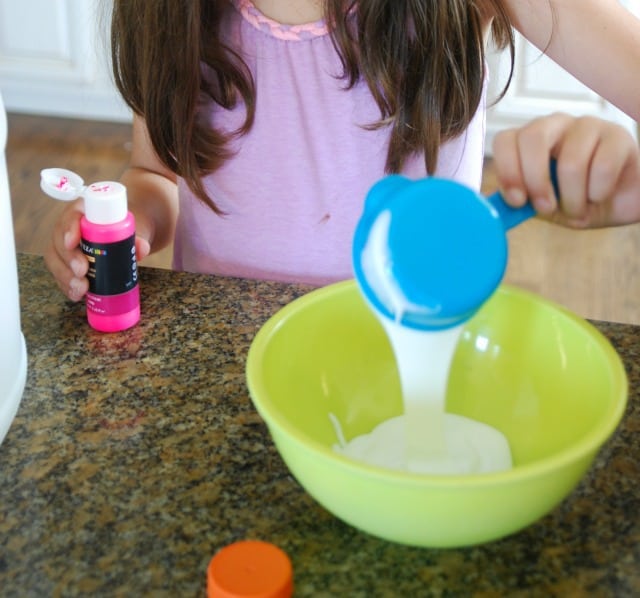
(108, 241)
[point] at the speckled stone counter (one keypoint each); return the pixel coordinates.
(135, 456)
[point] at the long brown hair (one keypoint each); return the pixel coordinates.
(423, 61)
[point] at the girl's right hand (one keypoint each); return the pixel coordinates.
(65, 259)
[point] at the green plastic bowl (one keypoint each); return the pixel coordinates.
(544, 377)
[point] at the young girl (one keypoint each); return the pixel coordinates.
(260, 126)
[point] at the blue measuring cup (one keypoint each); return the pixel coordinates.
(428, 253)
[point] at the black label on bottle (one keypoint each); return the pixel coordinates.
(112, 266)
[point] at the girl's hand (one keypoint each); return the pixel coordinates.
(65, 259)
(598, 169)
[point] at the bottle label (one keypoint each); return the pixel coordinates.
(112, 275)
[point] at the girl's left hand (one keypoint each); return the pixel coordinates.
(598, 170)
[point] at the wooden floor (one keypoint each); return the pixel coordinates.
(594, 273)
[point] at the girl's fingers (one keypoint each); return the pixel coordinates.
(143, 248)
(74, 287)
(616, 151)
(64, 258)
(506, 160)
(592, 161)
(522, 159)
(574, 160)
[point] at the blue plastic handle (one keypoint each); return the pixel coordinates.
(511, 216)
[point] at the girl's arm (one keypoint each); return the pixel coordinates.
(152, 193)
(597, 41)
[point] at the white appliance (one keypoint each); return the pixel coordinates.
(13, 352)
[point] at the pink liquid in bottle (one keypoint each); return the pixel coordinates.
(108, 241)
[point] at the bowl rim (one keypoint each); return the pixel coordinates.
(587, 447)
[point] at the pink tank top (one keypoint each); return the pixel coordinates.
(294, 189)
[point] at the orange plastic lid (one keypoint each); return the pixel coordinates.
(250, 568)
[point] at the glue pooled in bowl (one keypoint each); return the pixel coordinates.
(470, 447)
(425, 439)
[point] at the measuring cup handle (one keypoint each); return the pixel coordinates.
(511, 216)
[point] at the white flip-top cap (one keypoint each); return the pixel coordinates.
(105, 202)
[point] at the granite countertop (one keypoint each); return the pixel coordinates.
(135, 456)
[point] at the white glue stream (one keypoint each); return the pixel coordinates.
(425, 439)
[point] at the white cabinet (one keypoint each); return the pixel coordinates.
(53, 59)
(539, 86)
